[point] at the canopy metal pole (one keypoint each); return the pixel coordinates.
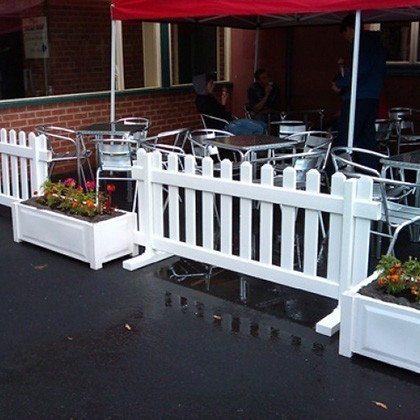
(355, 67)
(113, 64)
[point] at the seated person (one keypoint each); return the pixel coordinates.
(207, 103)
(264, 98)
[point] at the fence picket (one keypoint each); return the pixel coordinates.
(266, 219)
(226, 209)
(14, 167)
(311, 229)
(245, 215)
(190, 204)
(5, 164)
(23, 163)
(208, 207)
(288, 226)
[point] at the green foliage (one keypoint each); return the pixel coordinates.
(397, 278)
(68, 197)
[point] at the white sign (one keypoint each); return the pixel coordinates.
(35, 37)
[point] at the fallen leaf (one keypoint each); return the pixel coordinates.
(127, 327)
(41, 267)
(380, 404)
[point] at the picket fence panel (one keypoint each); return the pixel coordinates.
(23, 165)
(186, 210)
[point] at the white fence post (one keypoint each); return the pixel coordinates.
(149, 212)
(39, 162)
(16, 157)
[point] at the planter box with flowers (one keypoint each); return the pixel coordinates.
(69, 220)
(380, 317)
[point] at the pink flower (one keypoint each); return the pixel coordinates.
(90, 185)
(110, 188)
(69, 182)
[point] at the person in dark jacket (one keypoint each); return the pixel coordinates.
(371, 74)
(264, 98)
(207, 103)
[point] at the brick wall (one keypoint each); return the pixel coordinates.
(166, 110)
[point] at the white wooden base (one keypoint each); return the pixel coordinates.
(150, 256)
(330, 324)
(94, 243)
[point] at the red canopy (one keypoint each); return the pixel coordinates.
(252, 13)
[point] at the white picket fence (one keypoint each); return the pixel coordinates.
(23, 165)
(177, 215)
(229, 223)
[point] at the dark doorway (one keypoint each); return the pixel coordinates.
(197, 50)
(11, 69)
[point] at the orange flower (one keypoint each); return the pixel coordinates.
(90, 203)
(382, 282)
(75, 204)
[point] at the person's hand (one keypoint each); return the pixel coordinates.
(268, 88)
(224, 97)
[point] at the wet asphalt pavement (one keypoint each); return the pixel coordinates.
(83, 344)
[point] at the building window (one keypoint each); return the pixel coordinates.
(54, 47)
(402, 42)
(197, 49)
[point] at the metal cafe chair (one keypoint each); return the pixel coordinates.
(115, 158)
(385, 133)
(316, 140)
(140, 121)
(197, 138)
(66, 146)
(177, 138)
(306, 116)
(210, 122)
(405, 126)
(199, 148)
(396, 213)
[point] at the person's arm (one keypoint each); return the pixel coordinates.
(209, 105)
(259, 106)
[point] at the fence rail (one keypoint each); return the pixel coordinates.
(23, 165)
(255, 228)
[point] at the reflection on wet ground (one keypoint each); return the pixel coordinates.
(112, 344)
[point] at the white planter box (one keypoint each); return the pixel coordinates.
(380, 330)
(94, 243)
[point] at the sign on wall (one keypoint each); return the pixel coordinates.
(35, 37)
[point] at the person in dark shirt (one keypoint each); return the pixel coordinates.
(207, 103)
(370, 77)
(264, 98)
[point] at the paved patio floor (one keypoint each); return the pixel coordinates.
(112, 344)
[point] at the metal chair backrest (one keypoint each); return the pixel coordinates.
(197, 141)
(116, 154)
(141, 121)
(57, 137)
(176, 137)
(315, 141)
(211, 122)
(306, 116)
(401, 116)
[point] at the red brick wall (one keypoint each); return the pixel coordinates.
(166, 110)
